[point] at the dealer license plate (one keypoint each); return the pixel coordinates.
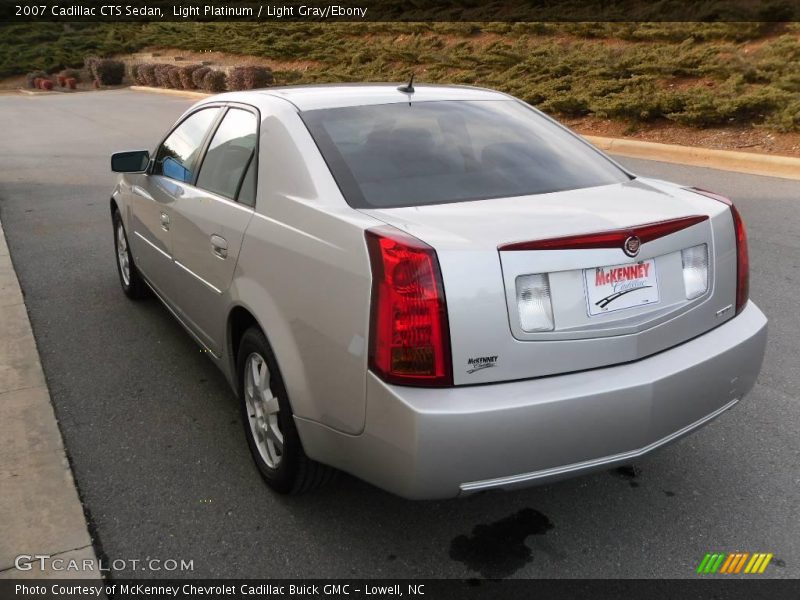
(620, 287)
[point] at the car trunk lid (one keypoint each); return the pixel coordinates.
(482, 251)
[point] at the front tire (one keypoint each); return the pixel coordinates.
(129, 278)
(268, 421)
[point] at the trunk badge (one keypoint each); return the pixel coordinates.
(632, 245)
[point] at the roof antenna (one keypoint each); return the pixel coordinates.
(409, 87)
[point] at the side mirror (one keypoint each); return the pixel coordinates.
(135, 161)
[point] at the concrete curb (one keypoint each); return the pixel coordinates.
(170, 92)
(40, 511)
(35, 92)
(726, 160)
(743, 162)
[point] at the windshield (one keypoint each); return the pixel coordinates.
(413, 154)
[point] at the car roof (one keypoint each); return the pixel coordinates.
(314, 97)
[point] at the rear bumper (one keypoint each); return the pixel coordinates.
(438, 443)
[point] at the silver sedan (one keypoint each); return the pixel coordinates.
(437, 289)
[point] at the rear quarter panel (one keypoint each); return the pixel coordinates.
(304, 273)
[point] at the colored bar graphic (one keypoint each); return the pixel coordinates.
(740, 564)
(729, 562)
(752, 564)
(703, 563)
(733, 563)
(734, 560)
(718, 563)
(764, 564)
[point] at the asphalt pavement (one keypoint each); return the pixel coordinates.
(161, 463)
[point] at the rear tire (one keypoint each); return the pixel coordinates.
(129, 278)
(268, 421)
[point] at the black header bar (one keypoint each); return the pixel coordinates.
(400, 11)
(409, 589)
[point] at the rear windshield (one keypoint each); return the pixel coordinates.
(418, 153)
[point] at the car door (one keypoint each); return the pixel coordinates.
(209, 222)
(154, 194)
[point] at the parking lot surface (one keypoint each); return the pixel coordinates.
(160, 459)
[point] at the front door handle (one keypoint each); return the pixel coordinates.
(164, 221)
(219, 246)
(140, 191)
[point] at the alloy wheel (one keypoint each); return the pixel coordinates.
(263, 410)
(122, 255)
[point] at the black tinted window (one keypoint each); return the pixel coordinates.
(229, 154)
(404, 154)
(177, 156)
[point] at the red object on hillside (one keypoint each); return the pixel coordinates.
(71, 82)
(47, 84)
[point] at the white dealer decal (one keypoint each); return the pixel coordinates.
(612, 288)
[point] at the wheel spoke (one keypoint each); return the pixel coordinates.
(263, 384)
(274, 433)
(271, 406)
(248, 387)
(255, 374)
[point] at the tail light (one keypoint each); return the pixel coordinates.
(742, 257)
(409, 338)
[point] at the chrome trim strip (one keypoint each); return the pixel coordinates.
(152, 245)
(513, 480)
(182, 266)
(196, 276)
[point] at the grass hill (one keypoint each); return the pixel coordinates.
(693, 74)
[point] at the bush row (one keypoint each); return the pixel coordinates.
(192, 77)
(103, 70)
(62, 78)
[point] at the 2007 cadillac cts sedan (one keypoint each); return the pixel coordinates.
(437, 289)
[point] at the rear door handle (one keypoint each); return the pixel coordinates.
(164, 221)
(219, 246)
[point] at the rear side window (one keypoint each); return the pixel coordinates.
(247, 192)
(178, 156)
(417, 153)
(229, 156)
